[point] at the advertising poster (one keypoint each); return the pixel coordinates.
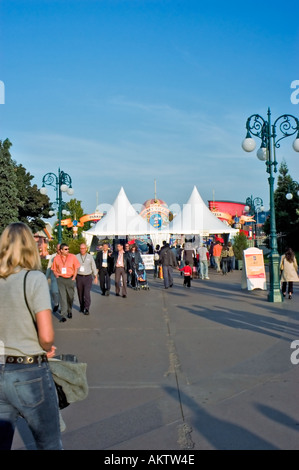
(254, 272)
(148, 261)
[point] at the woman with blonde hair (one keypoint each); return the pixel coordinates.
(289, 272)
(27, 388)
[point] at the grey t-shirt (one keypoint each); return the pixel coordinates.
(18, 335)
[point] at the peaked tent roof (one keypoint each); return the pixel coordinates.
(196, 219)
(121, 219)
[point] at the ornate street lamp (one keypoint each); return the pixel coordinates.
(62, 183)
(254, 206)
(257, 126)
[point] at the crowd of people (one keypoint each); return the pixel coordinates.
(214, 255)
(67, 271)
(124, 262)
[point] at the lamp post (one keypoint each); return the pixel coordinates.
(253, 206)
(62, 183)
(286, 125)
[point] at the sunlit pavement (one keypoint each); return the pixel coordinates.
(183, 369)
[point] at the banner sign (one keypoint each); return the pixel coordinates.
(254, 276)
(148, 261)
(91, 217)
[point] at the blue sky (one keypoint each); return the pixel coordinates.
(125, 92)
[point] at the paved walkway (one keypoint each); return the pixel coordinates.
(183, 369)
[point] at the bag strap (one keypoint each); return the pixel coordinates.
(25, 297)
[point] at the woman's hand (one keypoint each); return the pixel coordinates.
(52, 352)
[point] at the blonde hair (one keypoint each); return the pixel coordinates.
(18, 249)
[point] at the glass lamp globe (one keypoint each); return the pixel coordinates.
(43, 190)
(248, 144)
(289, 196)
(64, 187)
(246, 208)
(262, 154)
(70, 191)
(51, 213)
(296, 145)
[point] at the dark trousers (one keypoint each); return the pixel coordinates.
(120, 272)
(167, 275)
(187, 281)
(84, 284)
(224, 265)
(66, 287)
(104, 278)
(284, 287)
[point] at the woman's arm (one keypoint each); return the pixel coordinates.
(45, 331)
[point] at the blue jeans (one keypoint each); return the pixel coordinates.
(29, 391)
(204, 269)
(224, 265)
(231, 263)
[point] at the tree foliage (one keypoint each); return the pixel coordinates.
(34, 205)
(19, 199)
(9, 200)
(286, 210)
(240, 244)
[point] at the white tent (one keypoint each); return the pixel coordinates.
(196, 219)
(122, 220)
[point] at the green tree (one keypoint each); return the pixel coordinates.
(240, 244)
(34, 205)
(9, 200)
(286, 210)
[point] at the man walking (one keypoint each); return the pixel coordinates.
(65, 267)
(168, 262)
(86, 274)
(216, 254)
(104, 266)
(203, 260)
(53, 282)
(121, 265)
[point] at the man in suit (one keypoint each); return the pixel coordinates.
(104, 264)
(121, 265)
